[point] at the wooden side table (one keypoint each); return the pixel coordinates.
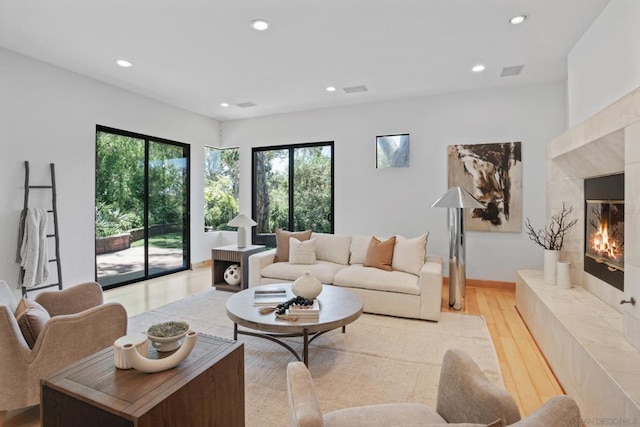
(223, 257)
(206, 389)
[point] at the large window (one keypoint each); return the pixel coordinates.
(221, 187)
(292, 189)
(142, 207)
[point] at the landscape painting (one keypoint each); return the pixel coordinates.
(492, 173)
(392, 151)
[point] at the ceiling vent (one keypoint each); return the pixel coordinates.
(355, 89)
(246, 104)
(511, 71)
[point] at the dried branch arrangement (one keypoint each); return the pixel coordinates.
(552, 236)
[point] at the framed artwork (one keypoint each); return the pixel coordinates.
(492, 173)
(392, 151)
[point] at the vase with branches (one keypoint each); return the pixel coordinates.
(551, 238)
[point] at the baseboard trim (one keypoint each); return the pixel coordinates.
(491, 284)
(202, 264)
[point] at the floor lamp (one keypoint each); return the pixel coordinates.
(456, 199)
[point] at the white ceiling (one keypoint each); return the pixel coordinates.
(196, 54)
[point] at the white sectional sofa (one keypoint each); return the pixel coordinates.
(413, 289)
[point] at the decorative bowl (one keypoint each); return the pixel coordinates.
(167, 336)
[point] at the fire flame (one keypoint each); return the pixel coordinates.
(602, 244)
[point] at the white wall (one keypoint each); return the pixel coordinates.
(605, 63)
(389, 201)
(49, 115)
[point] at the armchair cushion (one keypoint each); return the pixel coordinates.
(31, 318)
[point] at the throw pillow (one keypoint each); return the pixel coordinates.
(359, 246)
(380, 254)
(31, 318)
(332, 247)
(282, 243)
(302, 252)
(409, 254)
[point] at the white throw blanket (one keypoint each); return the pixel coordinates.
(33, 249)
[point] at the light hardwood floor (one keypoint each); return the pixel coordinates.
(526, 374)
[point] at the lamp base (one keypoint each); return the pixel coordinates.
(457, 284)
(242, 237)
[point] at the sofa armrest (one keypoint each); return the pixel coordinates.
(256, 263)
(71, 300)
(430, 283)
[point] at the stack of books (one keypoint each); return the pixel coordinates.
(269, 297)
(309, 313)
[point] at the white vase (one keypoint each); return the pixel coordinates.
(306, 286)
(551, 258)
(139, 341)
(144, 364)
(563, 275)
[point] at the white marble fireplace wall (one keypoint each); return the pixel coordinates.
(606, 143)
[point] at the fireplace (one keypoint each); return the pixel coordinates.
(604, 229)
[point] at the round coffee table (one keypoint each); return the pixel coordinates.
(338, 308)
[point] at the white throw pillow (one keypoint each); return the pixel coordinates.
(409, 254)
(332, 247)
(302, 252)
(359, 247)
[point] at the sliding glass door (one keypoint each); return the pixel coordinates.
(142, 200)
(292, 189)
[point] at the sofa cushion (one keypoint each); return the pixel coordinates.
(282, 243)
(322, 270)
(359, 276)
(409, 254)
(380, 253)
(332, 247)
(302, 252)
(31, 318)
(359, 246)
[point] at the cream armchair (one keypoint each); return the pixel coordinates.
(465, 398)
(80, 325)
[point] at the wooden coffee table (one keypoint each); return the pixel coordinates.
(338, 308)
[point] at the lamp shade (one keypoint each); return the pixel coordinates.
(242, 221)
(457, 197)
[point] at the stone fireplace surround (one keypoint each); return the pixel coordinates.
(591, 342)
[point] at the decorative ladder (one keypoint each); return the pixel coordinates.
(55, 235)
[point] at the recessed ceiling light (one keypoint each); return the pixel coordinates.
(259, 24)
(518, 19)
(478, 68)
(224, 104)
(331, 89)
(124, 63)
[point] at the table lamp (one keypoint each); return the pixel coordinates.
(242, 222)
(456, 199)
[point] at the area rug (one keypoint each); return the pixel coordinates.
(379, 359)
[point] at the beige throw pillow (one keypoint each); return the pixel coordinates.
(380, 254)
(282, 243)
(409, 254)
(31, 318)
(302, 252)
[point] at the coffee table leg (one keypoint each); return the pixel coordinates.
(235, 332)
(305, 354)
(344, 329)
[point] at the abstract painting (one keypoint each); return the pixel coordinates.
(392, 151)
(492, 173)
